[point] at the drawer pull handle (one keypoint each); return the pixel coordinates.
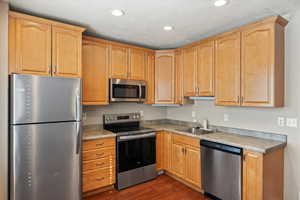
(100, 144)
(99, 154)
(99, 164)
(100, 179)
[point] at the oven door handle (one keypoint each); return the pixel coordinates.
(133, 137)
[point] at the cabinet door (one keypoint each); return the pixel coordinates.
(167, 152)
(189, 71)
(150, 73)
(228, 70)
(137, 60)
(193, 166)
(119, 62)
(31, 46)
(164, 78)
(159, 150)
(178, 159)
(252, 176)
(66, 52)
(178, 78)
(257, 71)
(205, 69)
(95, 72)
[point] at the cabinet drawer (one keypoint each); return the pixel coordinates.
(186, 140)
(98, 153)
(98, 178)
(99, 163)
(96, 144)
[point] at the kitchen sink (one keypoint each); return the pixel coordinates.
(195, 130)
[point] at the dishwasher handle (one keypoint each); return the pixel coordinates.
(221, 147)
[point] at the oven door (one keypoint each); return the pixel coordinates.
(136, 151)
(127, 90)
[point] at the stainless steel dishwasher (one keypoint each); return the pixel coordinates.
(221, 170)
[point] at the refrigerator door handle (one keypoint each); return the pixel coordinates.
(78, 143)
(78, 108)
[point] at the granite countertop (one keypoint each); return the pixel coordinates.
(96, 132)
(241, 140)
(246, 142)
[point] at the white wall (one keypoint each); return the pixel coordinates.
(94, 113)
(3, 100)
(265, 119)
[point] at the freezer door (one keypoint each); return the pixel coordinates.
(45, 162)
(36, 99)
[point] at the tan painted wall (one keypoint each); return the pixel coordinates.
(3, 100)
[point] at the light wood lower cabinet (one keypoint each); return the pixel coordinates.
(263, 177)
(179, 155)
(185, 159)
(193, 165)
(178, 160)
(98, 163)
(159, 150)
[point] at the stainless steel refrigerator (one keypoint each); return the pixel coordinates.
(45, 138)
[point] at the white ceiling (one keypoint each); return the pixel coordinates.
(144, 19)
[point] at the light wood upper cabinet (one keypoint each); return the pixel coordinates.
(30, 47)
(206, 69)
(250, 65)
(137, 60)
(95, 66)
(119, 62)
(43, 47)
(164, 77)
(179, 99)
(192, 166)
(150, 78)
(66, 52)
(189, 71)
(228, 62)
(262, 66)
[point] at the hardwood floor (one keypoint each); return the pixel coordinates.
(162, 188)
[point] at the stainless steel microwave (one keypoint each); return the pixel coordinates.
(122, 90)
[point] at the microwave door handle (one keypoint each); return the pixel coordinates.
(140, 93)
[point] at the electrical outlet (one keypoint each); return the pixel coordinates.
(280, 121)
(84, 115)
(193, 114)
(141, 113)
(292, 122)
(226, 117)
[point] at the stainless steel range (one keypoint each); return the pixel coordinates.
(136, 149)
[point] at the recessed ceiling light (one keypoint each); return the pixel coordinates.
(168, 28)
(219, 3)
(117, 12)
